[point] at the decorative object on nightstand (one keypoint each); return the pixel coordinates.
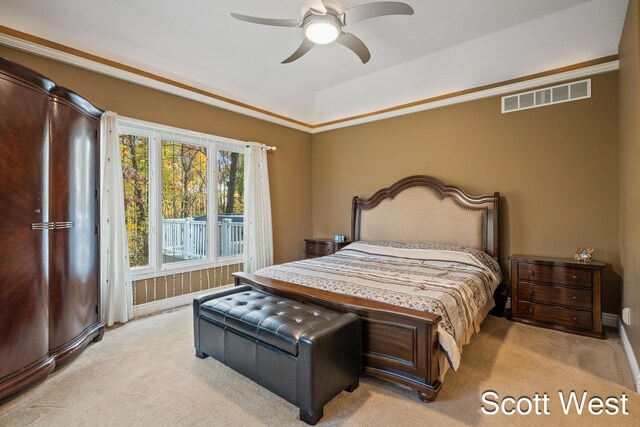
(314, 248)
(557, 293)
(583, 254)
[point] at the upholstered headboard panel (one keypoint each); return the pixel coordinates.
(418, 215)
(421, 209)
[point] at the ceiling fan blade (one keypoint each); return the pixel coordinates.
(304, 47)
(317, 7)
(356, 45)
(268, 21)
(375, 9)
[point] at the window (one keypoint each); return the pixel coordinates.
(184, 202)
(230, 203)
(176, 219)
(135, 172)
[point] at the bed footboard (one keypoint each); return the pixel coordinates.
(398, 344)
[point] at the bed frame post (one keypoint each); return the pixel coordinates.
(355, 219)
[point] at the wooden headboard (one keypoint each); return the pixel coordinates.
(420, 209)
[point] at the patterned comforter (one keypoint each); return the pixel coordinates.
(454, 282)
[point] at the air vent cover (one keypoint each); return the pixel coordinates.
(547, 96)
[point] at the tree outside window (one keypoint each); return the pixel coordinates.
(135, 171)
(230, 203)
(184, 202)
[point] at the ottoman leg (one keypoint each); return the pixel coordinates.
(311, 418)
(201, 355)
(354, 385)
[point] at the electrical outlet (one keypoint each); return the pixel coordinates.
(626, 315)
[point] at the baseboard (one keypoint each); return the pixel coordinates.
(631, 357)
(170, 303)
(610, 319)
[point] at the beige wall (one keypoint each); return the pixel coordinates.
(629, 93)
(289, 166)
(556, 168)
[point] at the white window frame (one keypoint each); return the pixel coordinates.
(156, 133)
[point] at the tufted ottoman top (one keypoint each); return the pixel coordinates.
(277, 321)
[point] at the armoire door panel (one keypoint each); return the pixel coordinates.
(23, 288)
(73, 262)
(49, 246)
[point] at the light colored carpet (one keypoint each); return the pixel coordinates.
(145, 374)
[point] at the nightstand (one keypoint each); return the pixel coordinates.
(557, 293)
(314, 248)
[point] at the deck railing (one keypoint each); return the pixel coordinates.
(187, 238)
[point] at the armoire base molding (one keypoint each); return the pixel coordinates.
(28, 376)
(70, 350)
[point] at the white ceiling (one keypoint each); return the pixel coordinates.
(446, 46)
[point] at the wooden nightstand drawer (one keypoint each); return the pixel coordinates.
(575, 319)
(319, 249)
(572, 297)
(551, 274)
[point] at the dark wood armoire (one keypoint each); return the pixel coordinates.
(49, 241)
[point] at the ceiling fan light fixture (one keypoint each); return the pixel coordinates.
(322, 23)
(321, 31)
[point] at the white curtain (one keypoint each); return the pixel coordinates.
(115, 282)
(258, 234)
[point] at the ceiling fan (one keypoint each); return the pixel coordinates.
(323, 20)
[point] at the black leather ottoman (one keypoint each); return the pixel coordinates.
(305, 354)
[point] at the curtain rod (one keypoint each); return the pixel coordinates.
(266, 147)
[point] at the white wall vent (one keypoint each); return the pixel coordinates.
(547, 96)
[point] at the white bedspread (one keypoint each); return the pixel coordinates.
(454, 282)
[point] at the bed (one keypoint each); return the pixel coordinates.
(402, 233)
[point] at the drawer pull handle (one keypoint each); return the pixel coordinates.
(574, 277)
(531, 310)
(574, 318)
(575, 298)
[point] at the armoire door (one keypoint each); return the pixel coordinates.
(24, 299)
(73, 207)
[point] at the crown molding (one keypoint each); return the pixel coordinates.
(52, 50)
(48, 49)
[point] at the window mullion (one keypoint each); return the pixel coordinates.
(156, 198)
